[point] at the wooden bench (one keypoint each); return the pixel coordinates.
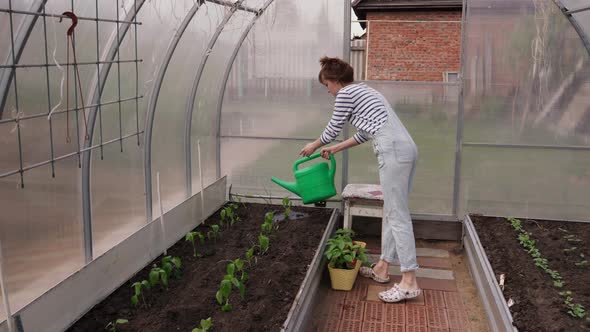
(364, 200)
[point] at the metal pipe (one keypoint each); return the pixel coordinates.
(190, 104)
(410, 83)
(14, 60)
(226, 77)
(41, 115)
(41, 65)
(87, 149)
(151, 112)
(528, 146)
(119, 81)
(100, 79)
(22, 36)
(273, 138)
(136, 73)
(76, 78)
(294, 198)
(346, 57)
(405, 21)
(576, 10)
(460, 112)
(237, 4)
(98, 74)
(80, 18)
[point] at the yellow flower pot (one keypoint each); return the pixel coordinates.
(343, 279)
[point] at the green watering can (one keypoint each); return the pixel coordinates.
(314, 183)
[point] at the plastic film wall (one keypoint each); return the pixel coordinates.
(75, 183)
(526, 139)
(273, 104)
(41, 228)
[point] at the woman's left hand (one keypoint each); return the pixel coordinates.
(329, 150)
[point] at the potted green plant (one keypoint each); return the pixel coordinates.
(345, 257)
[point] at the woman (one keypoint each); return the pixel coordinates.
(373, 117)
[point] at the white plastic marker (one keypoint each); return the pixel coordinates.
(5, 294)
(201, 180)
(510, 302)
(502, 279)
(161, 212)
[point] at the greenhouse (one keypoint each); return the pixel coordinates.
(139, 138)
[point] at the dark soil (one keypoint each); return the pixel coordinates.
(538, 304)
(270, 290)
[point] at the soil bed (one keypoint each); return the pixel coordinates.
(538, 304)
(270, 289)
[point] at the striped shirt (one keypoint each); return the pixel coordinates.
(360, 105)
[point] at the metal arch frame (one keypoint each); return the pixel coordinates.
(346, 57)
(569, 14)
(22, 37)
(149, 122)
(151, 111)
(226, 77)
(96, 92)
(190, 103)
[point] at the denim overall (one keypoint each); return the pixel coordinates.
(396, 155)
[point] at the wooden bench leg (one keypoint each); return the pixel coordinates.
(347, 215)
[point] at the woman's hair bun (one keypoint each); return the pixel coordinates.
(335, 69)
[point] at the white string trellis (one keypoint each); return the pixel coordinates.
(63, 72)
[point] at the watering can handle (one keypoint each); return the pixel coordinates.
(332, 170)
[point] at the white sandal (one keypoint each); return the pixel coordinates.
(397, 294)
(368, 272)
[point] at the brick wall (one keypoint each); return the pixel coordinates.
(421, 51)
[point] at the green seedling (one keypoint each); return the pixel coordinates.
(570, 249)
(224, 216)
(516, 224)
(346, 234)
(230, 279)
(228, 215)
(287, 205)
(250, 256)
(172, 265)
(267, 225)
(112, 326)
(138, 287)
(158, 275)
(192, 236)
(582, 263)
(263, 243)
(575, 310)
(342, 252)
(205, 325)
(214, 232)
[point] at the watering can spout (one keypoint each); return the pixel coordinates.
(291, 186)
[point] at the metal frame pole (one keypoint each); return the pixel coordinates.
(22, 36)
(346, 57)
(100, 79)
(151, 112)
(225, 79)
(460, 111)
(576, 25)
(190, 104)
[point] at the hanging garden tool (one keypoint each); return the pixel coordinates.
(70, 39)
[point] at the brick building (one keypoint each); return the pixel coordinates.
(411, 40)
